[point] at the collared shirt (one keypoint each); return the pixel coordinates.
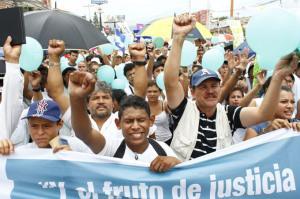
(207, 136)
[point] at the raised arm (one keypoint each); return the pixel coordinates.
(182, 25)
(81, 85)
(252, 94)
(253, 115)
(238, 71)
(137, 53)
(150, 63)
(55, 86)
(11, 105)
(35, 79)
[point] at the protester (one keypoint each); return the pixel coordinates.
(129, 73)
(157, 69)
(215, 132)
(159, 109)
(11, 105)
(134, 120)
(282, 117)
(82, 66)
(73, 58)
(117, 95)
(44, 123)
(99, 103)
(66, 74)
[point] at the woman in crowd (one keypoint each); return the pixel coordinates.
(282, 117)
(158, 109)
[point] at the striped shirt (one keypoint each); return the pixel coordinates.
(207, 135)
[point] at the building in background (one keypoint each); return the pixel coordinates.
(28, 5)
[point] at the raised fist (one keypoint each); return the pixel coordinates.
(137, 51)
(183, 24)
(81, 84)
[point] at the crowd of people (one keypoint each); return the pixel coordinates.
(200, 110)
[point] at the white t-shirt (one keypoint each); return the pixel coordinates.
(74, 143)
(109, 128)
(129, 90)
(11, 105)
(148, 156)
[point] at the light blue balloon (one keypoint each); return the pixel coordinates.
(158, 42)
(214, 40)
(188, 54)
(267, 62)
(31, 55)
(220, 48)
(213, 59)
(160, 81)
(118, 84)
(107, 49)
(273, 32)
(106, 73)
(80, 59)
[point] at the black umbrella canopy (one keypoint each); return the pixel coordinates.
(56, 24)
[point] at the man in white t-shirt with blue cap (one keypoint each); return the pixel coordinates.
(44, 123)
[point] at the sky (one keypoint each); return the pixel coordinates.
(144, 11)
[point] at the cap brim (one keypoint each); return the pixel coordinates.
(206, 78)
(50, 118)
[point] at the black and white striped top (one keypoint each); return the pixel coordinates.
(207, 136)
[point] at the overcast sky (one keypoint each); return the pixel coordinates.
(143, 11)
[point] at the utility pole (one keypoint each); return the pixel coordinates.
(231, 8)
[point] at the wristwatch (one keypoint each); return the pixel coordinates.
(140, 63)
(36, 89)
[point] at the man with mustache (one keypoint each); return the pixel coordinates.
(204, 126)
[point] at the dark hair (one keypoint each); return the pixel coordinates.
(128, 67)
(44, 72)
(118, 95)
(153, 83)
(100, 59)
(135, 102)
(237, 88)
(89, 58)
(199, 67)
(287, 89)
(160, 58)
(74, 51)
(157, 64)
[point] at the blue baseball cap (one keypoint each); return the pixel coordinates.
(46, 109)
(201, 75)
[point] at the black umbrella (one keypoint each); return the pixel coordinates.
(56, 24)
